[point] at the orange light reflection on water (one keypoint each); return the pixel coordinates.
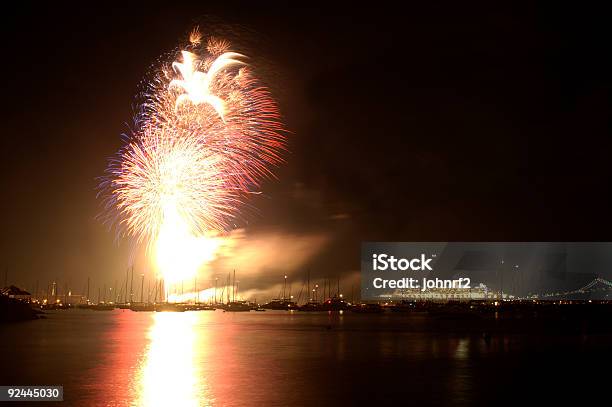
(170, 372)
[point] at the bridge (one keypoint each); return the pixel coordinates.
(597, 285)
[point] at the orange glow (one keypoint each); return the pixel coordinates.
(179, 254)
(170, 374)
(204, 296)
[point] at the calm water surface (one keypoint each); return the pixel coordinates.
(124, 358)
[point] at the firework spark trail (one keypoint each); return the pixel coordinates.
(206, 135)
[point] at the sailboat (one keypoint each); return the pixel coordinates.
(281, 303)
(312, 304)
(237, 305)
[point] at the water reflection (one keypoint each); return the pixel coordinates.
(170, 372)
(125, 358)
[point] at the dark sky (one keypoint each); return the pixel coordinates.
(441, 123)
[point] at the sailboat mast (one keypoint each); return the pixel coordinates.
(229, 277)
(222, 293)
(308, 286)
(127, 274)
(141, 287)
(131, 286)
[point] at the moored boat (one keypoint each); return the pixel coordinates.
(280, 304)
(103, 307)
(169, 307)
(237, 306)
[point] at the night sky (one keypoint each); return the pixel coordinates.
(418, 124)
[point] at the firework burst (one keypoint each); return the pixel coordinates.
(206, 134)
